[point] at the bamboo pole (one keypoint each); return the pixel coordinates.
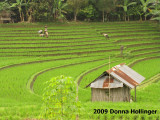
(135, 93)
(77, 116)
(109, 78)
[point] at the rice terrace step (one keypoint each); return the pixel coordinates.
(95, 61)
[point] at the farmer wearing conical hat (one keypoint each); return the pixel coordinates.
(46, 32)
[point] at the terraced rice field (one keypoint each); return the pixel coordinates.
(78, 50)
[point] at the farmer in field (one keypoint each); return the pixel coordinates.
(46, 32)
(106, 35)
(41, 33)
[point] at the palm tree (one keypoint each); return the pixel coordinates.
(125, 6)
(145, 5)
(19, 4)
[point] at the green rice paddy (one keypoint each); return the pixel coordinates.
(78, 50)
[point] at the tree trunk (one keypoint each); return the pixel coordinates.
(22, 17)
(103, 15)
(119, 17)
(51, 11)
(55, 15)
(27, 14)
(128, 17)
(125, 16)
(140, 18)
(20, 13)
(106, 17)
(30, 17)
(75, 17)
(145, 17)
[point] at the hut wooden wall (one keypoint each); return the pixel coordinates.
(116, 94)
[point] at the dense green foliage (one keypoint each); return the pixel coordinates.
(88, 10)
(78, 50)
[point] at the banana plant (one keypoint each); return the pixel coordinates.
(19, 4)
(58, 9)
(155, 10)
(29, 8)
(145, 6)
(4, 6)
(125, 6)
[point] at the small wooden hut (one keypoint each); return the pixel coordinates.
(115, 84)
(5, 17)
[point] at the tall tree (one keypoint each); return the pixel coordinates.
(125, 6)
(89, 12)
(39, 10)
(105, 6)
(75, 6)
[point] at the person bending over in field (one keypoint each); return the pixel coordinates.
(41, 33)
(46, 32)
(106, 35)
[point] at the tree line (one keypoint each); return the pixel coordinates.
(81, 10)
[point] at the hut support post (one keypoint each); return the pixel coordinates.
(135, 93)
